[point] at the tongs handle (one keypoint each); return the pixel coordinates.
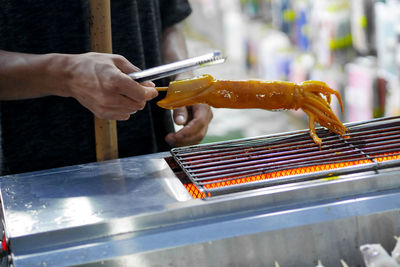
(178, 67)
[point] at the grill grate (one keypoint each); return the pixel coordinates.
(238, 165)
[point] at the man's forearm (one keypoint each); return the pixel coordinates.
(25, 76)
(174, 46)
(98, 81)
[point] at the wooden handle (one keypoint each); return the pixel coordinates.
(160, 89)
(100, 40)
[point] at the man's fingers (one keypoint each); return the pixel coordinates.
(191, 134)
(120, 101)
(181, 116)
(203, 112)
(116, 107)
(135, 91)
(124, 65)
(114, 114)
(125, 85)
(148, 84)
(194, 131)
(170, 139)
(185, 137)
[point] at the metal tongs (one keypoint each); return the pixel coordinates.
(178, 67)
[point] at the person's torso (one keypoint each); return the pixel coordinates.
(54, 131)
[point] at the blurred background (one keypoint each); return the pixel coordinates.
(354, 46)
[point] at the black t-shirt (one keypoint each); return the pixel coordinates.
(54, 131)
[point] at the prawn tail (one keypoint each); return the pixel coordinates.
(186, 92)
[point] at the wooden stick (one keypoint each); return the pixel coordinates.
(100, 40)
(160, 89)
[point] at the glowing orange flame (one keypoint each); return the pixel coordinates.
(196, 193)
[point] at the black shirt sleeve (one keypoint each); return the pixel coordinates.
(174, 11)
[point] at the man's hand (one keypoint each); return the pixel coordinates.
(98, 81)
(101, 84)
(195, 120)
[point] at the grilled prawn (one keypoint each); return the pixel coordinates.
(269, 95)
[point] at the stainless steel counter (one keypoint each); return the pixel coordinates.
(136, 212)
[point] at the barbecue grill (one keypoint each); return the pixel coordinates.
(242, 202)
(250, 163)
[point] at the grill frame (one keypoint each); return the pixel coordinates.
(198, 162)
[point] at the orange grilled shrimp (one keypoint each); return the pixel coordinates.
(269, 95)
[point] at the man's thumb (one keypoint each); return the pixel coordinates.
(180, 116)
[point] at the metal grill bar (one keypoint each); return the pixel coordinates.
(226, 161)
